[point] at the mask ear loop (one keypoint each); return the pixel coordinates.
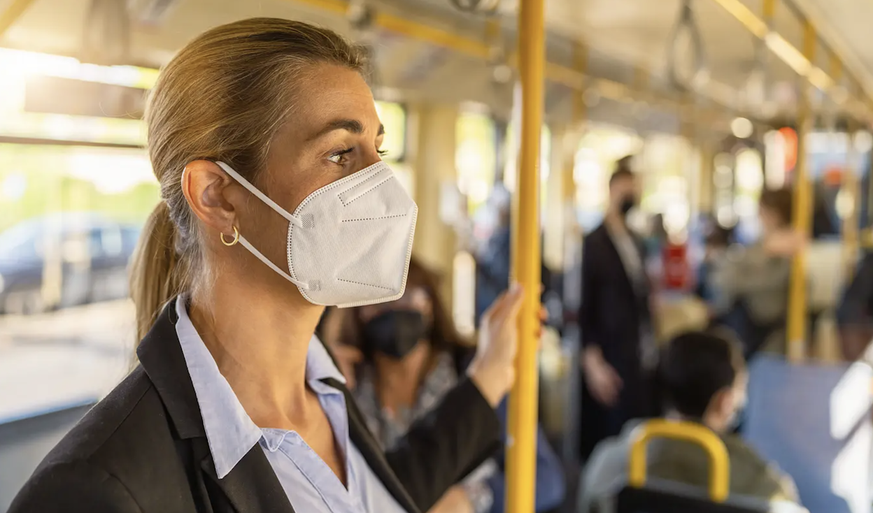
(260, 195)
(260, 256)
(281, 211)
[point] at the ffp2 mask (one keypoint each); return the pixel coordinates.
(349, 242)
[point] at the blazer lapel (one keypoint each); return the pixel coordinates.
(372, 451)
(252, 486)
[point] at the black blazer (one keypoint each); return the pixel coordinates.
(612, 310)
(611, 316)
(143, 449)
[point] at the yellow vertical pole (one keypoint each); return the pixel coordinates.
(769, 8)
(851, 191)
(796, 329)
(521, 453)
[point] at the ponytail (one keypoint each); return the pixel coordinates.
(157, 274)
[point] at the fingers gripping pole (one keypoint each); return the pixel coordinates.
(521, 455)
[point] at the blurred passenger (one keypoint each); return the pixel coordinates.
(618, 342)
(493, 257)
(409, 355)
(855, 312)
(716, 244)
(751, 283)
(704, 381)
(824, 219)
(658, 237)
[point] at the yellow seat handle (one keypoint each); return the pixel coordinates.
(719, 464)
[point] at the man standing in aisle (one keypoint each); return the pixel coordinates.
(618, 347)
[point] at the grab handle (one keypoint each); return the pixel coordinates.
(719, 464)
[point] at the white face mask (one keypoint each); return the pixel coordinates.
(349, 243)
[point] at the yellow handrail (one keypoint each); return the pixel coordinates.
(521, 452)
(796, 332)
(793, 57)
(554, 72)
(719, 463)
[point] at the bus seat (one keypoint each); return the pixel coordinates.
(642, 495)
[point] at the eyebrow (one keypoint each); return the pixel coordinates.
(350, 125)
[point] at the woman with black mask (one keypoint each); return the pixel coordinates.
(400, 359)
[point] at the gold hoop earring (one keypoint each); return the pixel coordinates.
(235, 237)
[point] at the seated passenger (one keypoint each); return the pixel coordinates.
(703, 379)
(751, 283)
(410, 355)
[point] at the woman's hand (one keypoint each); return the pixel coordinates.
(493, 367)
(453, 501)
(603, 381)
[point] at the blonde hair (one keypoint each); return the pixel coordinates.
(222, 97)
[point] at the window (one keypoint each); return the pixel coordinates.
(475, 157)
(70, 216)
(393, 117)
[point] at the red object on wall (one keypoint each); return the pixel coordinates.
(790, 138)
(676, 270)
(833, 175)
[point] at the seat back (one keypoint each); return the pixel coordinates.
(642, 497)
(719, 463)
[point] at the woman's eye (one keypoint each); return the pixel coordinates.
(339, 157)
(382, 153)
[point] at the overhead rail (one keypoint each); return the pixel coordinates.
(554, 72)
(852, 97)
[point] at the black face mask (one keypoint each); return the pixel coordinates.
(627, 204)
(394, 333)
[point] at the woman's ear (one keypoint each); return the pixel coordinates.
(210, 194)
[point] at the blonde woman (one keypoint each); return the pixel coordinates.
(275, 203)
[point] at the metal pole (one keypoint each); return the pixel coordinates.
(521, 453)
(796, 329)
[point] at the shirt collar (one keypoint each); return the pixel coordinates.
(230, 432)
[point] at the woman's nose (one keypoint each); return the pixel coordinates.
(370, 157)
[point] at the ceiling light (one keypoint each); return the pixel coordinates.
(742, 128)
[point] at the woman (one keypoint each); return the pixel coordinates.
(236, 406)
(403, 358)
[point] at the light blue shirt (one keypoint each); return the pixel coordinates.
(311, 486)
